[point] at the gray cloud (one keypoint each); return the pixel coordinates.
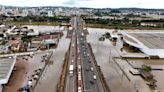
(73, 2)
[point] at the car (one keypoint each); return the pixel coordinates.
(79, 89)
(87, 69)
(79, 66)
(91, 82)
(10, 57)
(94, 77)
(70, 73)
(91, 68)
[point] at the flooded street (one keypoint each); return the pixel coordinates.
(44, 29)
(51, 75)
(104, 51)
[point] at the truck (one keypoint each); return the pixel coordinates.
(71, 70)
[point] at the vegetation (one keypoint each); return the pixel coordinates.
(115, 11)
(26, 39)
(36, 20)
(122, 27)
(124, 23)
(107, 35)
(102, 38)
(147, 68)
(42, 19)
(34, 23)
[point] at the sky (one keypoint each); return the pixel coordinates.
(158, 4)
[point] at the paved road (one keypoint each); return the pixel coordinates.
(89, 83)
(84, 71)
(71, 78)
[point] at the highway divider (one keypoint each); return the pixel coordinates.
(61, 84)
(102, 79)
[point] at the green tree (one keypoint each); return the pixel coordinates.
(147, 68)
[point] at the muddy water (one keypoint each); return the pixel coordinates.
(103, 51)
(51, 75)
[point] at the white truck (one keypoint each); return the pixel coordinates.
(71, 70)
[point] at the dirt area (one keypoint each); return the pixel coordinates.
(17, 78)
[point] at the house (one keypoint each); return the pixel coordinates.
(43, 46)
(15, 47)
(33, 46)
(33, 33)
(50, 41)
(22, 47)
(36, 40)
(5, 48)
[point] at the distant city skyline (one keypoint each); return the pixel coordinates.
(156, 4)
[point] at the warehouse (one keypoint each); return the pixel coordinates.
(150, 43)
(6, 68)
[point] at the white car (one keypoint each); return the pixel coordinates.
(91, 68)
(94, 77)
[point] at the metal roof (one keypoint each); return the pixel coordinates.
(6, 67)
(151, 40)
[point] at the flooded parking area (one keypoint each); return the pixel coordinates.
(104, 51)
(23, 72)
(28, 68)
(157, 66)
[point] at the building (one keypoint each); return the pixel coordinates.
(50, 41)
(50, 14)
(33, 47)
(150, 43)
(5, 48)
(6, 68)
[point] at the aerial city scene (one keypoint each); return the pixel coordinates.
(81, 46)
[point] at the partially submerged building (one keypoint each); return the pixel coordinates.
(150, 43)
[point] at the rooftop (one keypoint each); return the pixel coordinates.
(6, 67)
(151, 40)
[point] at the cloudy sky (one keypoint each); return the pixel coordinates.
(88, 3)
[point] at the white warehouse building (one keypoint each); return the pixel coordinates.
(6, 68)
(150, 43)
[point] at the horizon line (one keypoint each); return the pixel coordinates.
(76, 7)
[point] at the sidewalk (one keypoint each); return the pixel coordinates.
(138, 82)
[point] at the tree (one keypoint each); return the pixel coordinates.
(115, 11)
(146, 68)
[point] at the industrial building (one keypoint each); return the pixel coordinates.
(6, 68)
(150, 43)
